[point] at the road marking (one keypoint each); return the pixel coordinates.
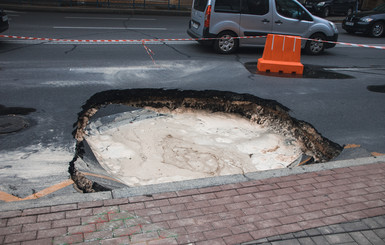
(8, 197)
(377, 154)
(111, 28)
(99, 43)
(105, 18)
(350, 146)
(11, 198)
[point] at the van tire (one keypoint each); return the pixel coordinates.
(225, 44)
(313, 47)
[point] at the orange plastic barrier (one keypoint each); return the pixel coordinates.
(281, 54)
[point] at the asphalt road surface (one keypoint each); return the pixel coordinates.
(54, 79)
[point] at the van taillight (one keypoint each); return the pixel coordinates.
(207, 16)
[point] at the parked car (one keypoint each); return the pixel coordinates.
(325, 8)
(225, 19)
(369, 22)
(3, 21)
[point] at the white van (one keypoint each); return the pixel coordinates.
(223, 19)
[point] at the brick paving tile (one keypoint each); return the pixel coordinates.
(36, 226)
(64, 207)
(51, 233)
(21, 220)
(317, 204)
(65, 222)
(10, 230)
(78, 213)
(46, 241)
(32, 211)
(50, 216)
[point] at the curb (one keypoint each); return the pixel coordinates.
(184, 185)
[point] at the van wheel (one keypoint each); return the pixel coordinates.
(226, 44)
(314, 47)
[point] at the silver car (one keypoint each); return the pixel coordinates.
(226, 19)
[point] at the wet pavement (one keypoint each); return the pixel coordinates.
(332, 203)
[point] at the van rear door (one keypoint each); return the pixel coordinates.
(198, 17)
(256, 20)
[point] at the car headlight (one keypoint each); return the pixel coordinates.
(333, 26)
(366, 19)
(320, 4)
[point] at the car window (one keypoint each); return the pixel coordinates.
(291, 9)
(200, 5)
(228, 6)
(256, 7)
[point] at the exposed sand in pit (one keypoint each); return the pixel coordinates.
(189, 145)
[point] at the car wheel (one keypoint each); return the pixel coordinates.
(326, 12)
(315, 47)
(377, 29)
(225, 43)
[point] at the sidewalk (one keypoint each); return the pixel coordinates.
(342, 204)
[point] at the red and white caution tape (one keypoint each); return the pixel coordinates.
(143, 41)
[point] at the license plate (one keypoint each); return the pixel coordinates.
(5, 18)
(349, 23)
(194, 25)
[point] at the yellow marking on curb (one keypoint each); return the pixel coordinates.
(349, 146)
(377, 154)
(102, 176)
(10, 198)
(304, 161)
(49, 190)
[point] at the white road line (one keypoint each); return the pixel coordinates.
(105, 18)
(98, 43)
(94, 18)
(111, 28)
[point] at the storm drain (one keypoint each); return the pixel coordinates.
(172, 135)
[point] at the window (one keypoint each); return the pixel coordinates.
(200, 5)
(227, 6)
(291, 9)
(256, 7)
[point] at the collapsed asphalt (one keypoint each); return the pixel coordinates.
(264, 112)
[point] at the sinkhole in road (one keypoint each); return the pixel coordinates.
(173, 135)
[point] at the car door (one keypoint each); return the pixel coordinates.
(291, 18)
(256, 20)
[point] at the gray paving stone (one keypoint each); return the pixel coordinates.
(287, 236)
(331, 229)
(274, 238)
(360, 238)
(287, 242)
(319, 240)
(380, 232)
(372, 223)
(355, 226)
(339, 238)
(373, 238)
(300, 234)
(306, 241)
(313, 232)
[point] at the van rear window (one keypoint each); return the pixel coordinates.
(227, 6)
(200, 5)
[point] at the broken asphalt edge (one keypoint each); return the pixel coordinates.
(185, 185)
